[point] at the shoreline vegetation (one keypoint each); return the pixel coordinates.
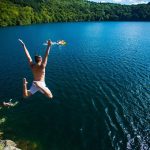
(22, 12)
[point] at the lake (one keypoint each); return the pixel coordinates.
(100, 82)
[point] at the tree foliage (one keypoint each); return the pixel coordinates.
(23, 12)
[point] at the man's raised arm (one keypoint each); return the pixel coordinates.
(44, 62)
(26, 52)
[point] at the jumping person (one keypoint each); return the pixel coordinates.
(38, 70)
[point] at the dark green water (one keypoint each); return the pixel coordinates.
(100, 82)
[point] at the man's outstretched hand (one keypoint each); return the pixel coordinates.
(21, 42)
(49, 43)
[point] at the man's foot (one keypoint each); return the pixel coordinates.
(25, 81)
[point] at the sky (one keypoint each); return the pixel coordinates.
(124, 1)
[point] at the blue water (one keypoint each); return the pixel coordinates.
(100, 82)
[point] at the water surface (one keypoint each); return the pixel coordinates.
(100, 82)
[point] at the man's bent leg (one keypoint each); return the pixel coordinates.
(47, 92)
(26, 93)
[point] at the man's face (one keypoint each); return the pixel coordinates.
(38, 59)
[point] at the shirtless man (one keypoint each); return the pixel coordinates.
(38, 70)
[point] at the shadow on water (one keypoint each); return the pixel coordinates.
(40, 123)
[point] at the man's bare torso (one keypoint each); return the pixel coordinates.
(38, 72)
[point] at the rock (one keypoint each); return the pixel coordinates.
(10, 143)
(2, 142)
(2, 145)
(11, 148)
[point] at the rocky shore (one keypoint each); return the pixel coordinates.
(8, 145)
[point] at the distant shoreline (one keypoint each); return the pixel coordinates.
(24, 12)
(72, 22)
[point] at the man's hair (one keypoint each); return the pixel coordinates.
(36, 57)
